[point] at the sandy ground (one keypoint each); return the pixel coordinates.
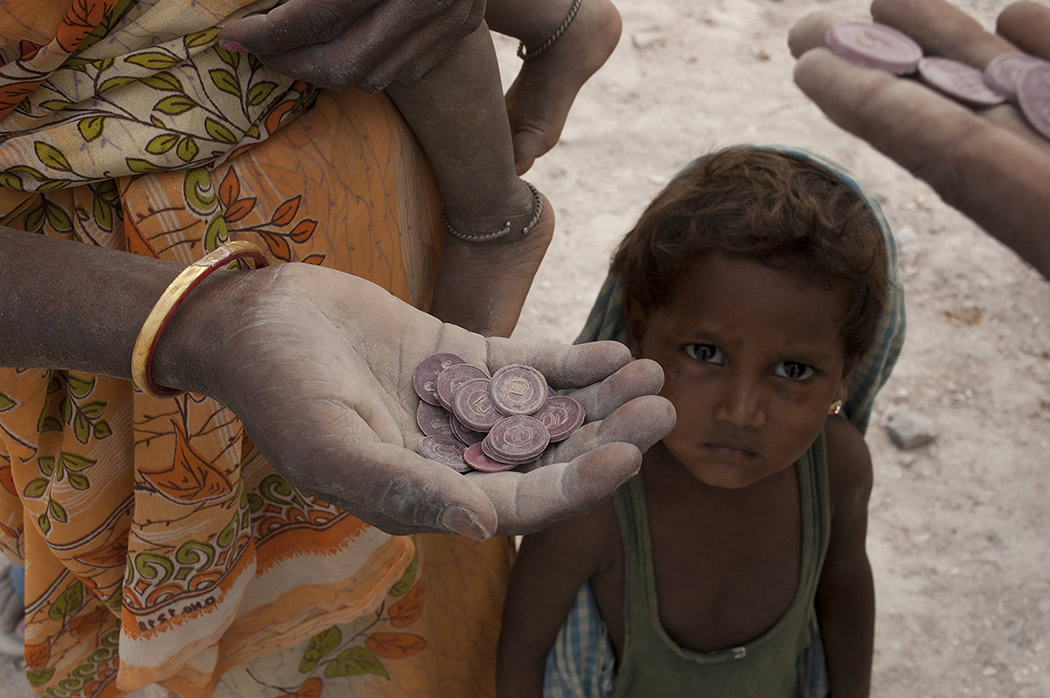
(960, 528)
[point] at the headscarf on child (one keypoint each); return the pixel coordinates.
(606, 319)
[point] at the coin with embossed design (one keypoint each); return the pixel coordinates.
(433, 420)
(472, 405)
(874, 45)
(443, 449)
(448, 381)
(516, 439)
(425, 376)
(518, 389)
(562, 415)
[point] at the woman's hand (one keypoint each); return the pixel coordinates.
(355, 43)
(990, 164)
(318, 366)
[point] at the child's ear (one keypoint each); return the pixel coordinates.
(847, 376)
(635, 318)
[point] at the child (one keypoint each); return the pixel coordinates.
(757, 279)
(480, 142)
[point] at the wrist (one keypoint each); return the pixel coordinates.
(191, 352)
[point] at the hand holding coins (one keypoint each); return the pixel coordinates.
(1015, 76)
(327, 397)
(472, 422)
(971, 114)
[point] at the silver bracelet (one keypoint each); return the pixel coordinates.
(537, 211)
(527, 54)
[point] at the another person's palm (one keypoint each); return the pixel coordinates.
(990, 164)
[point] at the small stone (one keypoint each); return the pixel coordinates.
(646, 39)
(910, 430)
(907, 241)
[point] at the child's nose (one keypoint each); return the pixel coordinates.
(740, 403)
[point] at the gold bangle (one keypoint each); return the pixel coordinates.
(169, 301)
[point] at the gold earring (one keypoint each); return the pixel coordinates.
(836, 407)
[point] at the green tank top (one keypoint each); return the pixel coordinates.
(654, 665)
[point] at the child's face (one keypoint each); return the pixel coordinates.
(753, 359)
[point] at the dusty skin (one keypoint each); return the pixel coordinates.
(960, 530)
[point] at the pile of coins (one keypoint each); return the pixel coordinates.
(1016, 77)
(473, 422)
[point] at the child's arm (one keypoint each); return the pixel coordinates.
(459, 115)
(550, 568)
(846, 592)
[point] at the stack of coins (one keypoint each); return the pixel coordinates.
(1015, 77)
(473, 422)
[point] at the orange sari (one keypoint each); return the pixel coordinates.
(160, 547)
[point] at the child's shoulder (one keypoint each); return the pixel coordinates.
(849, 463)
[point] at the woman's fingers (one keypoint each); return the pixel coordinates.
(394, 488)
(526, 502)
(942, 30)
(294, 24)
(1027, 26)
(564, 366)
(355, 43)
(808, 33)
(641, 422)
(636, 379)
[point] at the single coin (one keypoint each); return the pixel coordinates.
(476, 459)
(562, 415)
(472, 405)
(449, 381)
(1002, 72)
(443, 449)
(1033, 94)
(518, 389)
(426, 373)
(464, 433)
(958, 80)
(874, 45)
(516, 439)
(434, 420)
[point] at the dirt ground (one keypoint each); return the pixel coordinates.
(960, 529)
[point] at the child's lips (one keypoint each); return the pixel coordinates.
(731, 453)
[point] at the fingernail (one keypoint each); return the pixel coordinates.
(231, 45)
(459, 520)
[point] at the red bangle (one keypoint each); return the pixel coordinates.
(172, 298)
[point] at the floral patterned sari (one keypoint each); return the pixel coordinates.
(160, 547)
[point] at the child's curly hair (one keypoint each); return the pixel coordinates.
(782, 210)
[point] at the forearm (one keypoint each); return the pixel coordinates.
(529, 630)
(75, 306)
(846, 613)
(459, 115)
(550, 568)
(520, 676)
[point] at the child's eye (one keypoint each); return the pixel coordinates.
(708, 353)
(793, 370)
